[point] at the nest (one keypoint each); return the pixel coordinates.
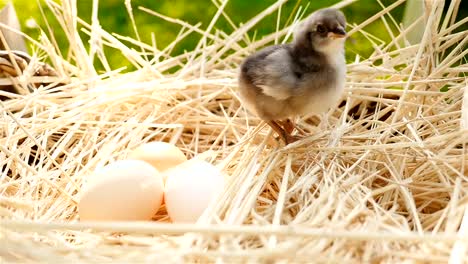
(381, 178)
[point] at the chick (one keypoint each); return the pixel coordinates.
(303, 77)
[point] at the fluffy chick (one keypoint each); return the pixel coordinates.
(303, 77)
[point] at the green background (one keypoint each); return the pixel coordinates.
(114, 17)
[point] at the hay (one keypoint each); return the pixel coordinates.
(382, 177)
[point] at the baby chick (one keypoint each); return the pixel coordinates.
(303, 77)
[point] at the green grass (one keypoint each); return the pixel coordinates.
(113, 17)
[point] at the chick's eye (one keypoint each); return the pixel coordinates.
(321, 29)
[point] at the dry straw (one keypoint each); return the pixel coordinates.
(382, 177)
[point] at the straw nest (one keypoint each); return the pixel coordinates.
(381, 178)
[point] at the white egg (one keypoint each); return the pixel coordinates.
(190, 188)
(161, 155)
(122, 191)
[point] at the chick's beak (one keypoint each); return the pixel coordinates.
(339, 32)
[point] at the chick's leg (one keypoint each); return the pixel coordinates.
(278, 129)
(287, 125)
(285, 136)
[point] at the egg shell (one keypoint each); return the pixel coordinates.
(126, 190)
(161, 155)
(190, 187)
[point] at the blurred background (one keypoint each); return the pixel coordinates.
(114, 18)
